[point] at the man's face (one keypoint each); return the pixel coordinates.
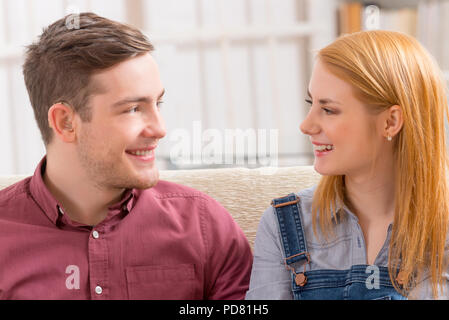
(117, 147)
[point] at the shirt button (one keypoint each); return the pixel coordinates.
(98, 290)
(96, 235)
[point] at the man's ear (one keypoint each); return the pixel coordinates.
(393, 121)
(61, 119)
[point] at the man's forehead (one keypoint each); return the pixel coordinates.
(135, 76)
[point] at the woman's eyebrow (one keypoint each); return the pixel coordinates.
(323, 101)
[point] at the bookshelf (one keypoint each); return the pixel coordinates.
(426, 20)
(388, 4)
(389, 15)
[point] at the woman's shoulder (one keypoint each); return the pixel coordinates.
(308, 192)
(270, 222)
(305, 199)
(305, 196)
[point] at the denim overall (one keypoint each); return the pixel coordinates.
(360, 282)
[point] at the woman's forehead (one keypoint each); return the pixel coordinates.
(324, 84)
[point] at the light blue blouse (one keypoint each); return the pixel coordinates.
(270, 279)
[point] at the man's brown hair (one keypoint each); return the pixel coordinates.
(58, 67)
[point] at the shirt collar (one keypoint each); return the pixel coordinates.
(42, 195)
(127, 202)
(46, 201)
(351, 214)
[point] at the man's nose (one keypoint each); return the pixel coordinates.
(155, 126)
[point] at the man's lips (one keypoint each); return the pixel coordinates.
(142, 149)
(146, 152)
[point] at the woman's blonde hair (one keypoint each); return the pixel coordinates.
(389, 68)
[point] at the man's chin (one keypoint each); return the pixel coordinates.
(148, 185)
(141, 181)
(148, 181)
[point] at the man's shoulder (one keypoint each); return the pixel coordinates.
(14, 200)
(15, 192)
(171, 191)
(167, 189)
(184, 196)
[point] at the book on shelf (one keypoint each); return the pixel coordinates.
(355, 16)
(349, 17)
(428, 21)
(403, 20)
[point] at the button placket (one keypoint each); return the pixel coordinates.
(98, 290)
(359, 247)
(98, 265)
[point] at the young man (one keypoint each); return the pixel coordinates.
(94, 222)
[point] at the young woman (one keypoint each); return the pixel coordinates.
(375, 226)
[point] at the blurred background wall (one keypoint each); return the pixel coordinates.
(228, 66)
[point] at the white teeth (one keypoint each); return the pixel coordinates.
(141, 153)
(324, 147)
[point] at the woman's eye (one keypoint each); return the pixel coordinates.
(328, 111)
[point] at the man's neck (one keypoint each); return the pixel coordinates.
(82, 200)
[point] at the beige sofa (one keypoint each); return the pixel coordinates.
(245, 193)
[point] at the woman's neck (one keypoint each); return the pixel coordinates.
(372, 197)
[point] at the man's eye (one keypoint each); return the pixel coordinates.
(133, 109)
(159, 103)
(309, 102)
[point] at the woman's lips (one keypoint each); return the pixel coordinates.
(322, 149)
(322, 153)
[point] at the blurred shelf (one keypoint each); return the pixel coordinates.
(388, 4)
(233, 34)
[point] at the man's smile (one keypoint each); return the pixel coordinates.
(143, 154)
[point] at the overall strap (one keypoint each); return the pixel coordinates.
(288, 213)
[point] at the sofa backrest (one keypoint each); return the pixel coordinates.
(245, 193)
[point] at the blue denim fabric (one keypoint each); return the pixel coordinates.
(359, 282)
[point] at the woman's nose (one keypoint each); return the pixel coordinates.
(309, 126)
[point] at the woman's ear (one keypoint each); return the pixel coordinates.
(61, 119)
(393, 121)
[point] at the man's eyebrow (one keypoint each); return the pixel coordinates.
(323, 101)
(129, 100)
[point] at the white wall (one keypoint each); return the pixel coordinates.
(226, 64)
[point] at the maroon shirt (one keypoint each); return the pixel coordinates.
(167, 242)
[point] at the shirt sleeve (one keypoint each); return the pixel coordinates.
(229, 256)
(270, 279)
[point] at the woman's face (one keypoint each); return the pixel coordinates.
(344, 135)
